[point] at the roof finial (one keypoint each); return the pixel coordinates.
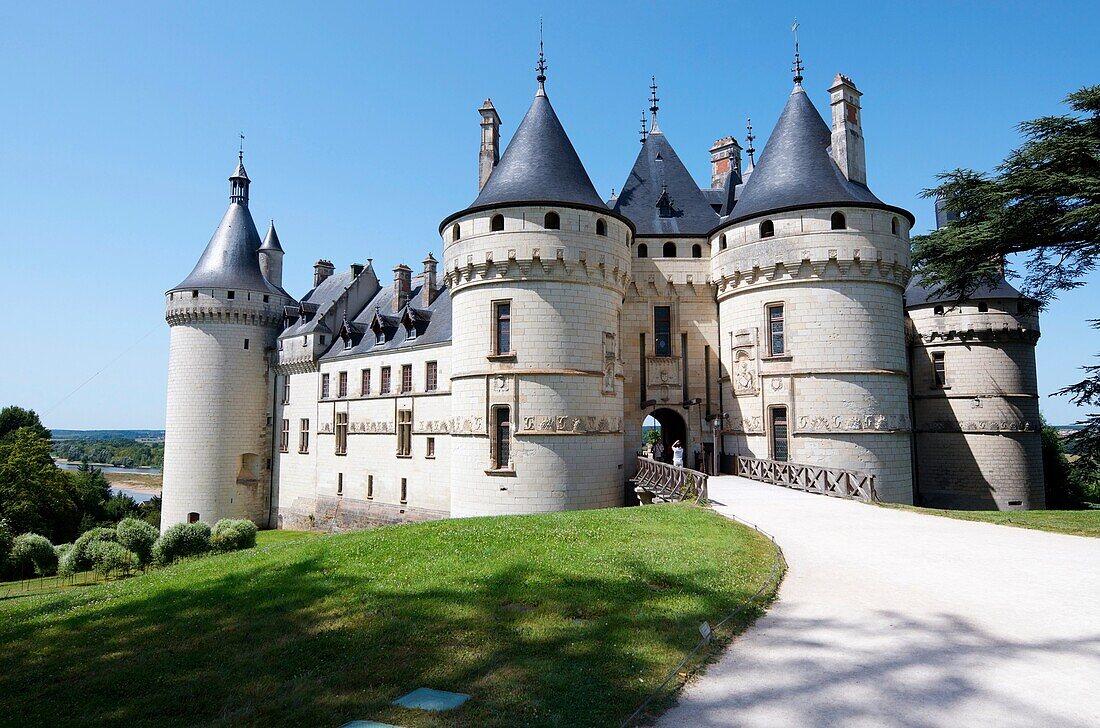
(797, 60)
(644, 133)
(653, 104)
(240, 154)
(541, 67)
(750, 139)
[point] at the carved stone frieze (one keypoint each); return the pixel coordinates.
(566, 424)
(371, 426)
(809, 424)
(990, 425)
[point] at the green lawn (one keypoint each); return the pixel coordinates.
(1077, 523)
(566, 619)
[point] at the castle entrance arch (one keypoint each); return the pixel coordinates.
(673, 428)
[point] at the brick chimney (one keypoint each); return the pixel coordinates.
(725, 157)
(402, 283)
(429, 289)
(490, 142)
(847, 142)
(322, 269)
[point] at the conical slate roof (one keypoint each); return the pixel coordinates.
(658, 170)
(796, 169)
(271, 240)
(917, 293)
(230, 259)
(539, 165)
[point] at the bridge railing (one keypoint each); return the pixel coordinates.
(660, 481)
(835, 482)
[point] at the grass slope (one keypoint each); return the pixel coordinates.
(566, 619)
(1076, 523)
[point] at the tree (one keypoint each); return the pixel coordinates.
(1041, 204)
(34, 492)
(13, 418)
(90, 492)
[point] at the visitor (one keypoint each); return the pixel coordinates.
(658, 451)
(678, 454)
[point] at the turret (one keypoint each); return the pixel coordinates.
(271, 258)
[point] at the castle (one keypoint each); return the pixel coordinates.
(771, 314)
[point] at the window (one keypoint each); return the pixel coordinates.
(406, 377)
(339, 484)
(722, 242)
(429, 451)
(767, 229)
(502, 315)
(838, 222)
(404, 490)
(779, 434)
(324, 386)
(192, 517)
(364, 383)
(194, 294)
(342, 385)
(284, 437)
(246, 343)
(347, 342)
(497, 223)
(431, 376)
(777, 340)
(341, 433)
(983, 307)
(267, 299)
(385, 388)
(669, 250)
(601, 227)
(404, 433)
(456, 232)
(643, 250)
(938, 310)
(286, 389)
(662, 330)
(697, 251)
(894, 225)
(303, 435)
(502, 438)
(939, 370)
(231, 295)
(370, 487)
(552, 221)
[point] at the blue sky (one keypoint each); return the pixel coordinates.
(119, 127)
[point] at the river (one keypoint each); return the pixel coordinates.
(138, 495)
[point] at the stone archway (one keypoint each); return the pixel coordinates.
(673, 428)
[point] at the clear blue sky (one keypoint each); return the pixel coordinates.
(120, 124)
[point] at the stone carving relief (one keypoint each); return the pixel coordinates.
(1013, 425)
(467, 426)
(572, 425)
(501, 383)
(609, 360)
(433, 426)
(749, 425)
(371, 426)
(852, 423)
(744, 373)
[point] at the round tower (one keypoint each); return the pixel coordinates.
(975, 397)
(536, 260)
(810, 268)
(224, 319)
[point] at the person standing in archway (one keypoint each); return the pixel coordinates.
(658, 451)
(678, 454)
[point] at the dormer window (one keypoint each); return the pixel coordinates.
(380, 337)
(838, 222)
(347, 342)
(601, 227)
(552, 221)
(496, 225)
(767, 229)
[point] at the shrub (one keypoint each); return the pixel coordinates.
(233, 535)
(139, 537)
(35, 551)
(120, 506)
(77, 559)
(5, 544)
(180, 541)
(61, 549)
(110, 556)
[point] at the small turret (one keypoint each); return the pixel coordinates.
(238, 183)
(271, 257)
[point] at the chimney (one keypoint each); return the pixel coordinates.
(725, 157)
(322, 269)
(429, 289)
(847, 143)
(490, 142)
(402, 282)
(356, 269)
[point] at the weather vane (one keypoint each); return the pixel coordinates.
(240, 153)
(798, 68)
(750, 138)
(541, 67)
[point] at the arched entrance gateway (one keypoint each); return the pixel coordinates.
(672, 428)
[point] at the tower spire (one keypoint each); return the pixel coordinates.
(751, 150)
(541, 67)
(653, 105)
(797, 68)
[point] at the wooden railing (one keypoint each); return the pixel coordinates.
(663, 482)
(836, 482)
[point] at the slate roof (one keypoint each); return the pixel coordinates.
(656, 170)
(432, 324)
(917, 294)
(230, 259)
(271, 240)
(796, 170)
(539, 165)
(317, 301)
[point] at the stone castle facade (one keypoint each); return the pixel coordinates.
(770, 314)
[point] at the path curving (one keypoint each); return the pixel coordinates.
(894, 618)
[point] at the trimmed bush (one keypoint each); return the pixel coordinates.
(77, 559)
(180, 541)
(61, 549)
(233, 535)
(139, 537)
(109, 557)
(30, 550)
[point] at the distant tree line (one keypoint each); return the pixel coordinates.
(38, 497)
(123, 453)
